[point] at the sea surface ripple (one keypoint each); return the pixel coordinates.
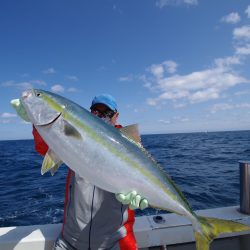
(204, 166)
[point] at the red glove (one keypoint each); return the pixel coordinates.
(40, 145)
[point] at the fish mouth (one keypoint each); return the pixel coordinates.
(50, 122)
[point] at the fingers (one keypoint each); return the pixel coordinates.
(126, 198)
(132, 199)
(135, 202)
(121, 198)
(143, 204)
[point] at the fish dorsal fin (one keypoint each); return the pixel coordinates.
(50, 163)
(70, 130)
(132, 132)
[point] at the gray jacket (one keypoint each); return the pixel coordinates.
(93, 218)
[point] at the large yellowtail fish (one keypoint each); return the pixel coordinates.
(111, 159)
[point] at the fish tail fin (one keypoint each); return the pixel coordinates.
(209, 228)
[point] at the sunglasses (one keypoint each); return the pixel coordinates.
(107, 113)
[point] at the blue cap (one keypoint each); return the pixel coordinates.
(105, 99)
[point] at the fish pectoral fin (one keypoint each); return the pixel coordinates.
(55, 168)
(50, 163)
(132, 132)
(70, 130)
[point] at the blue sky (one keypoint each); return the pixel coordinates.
(173, 65)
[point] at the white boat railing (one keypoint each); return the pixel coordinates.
(171, 229)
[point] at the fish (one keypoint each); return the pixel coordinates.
(112, 159)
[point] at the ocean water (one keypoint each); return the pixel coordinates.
(204, 166)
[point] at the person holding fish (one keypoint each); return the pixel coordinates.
(105, 161)
(93, 218)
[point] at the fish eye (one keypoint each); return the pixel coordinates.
(38, 94)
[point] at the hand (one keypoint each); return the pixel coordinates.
(132, 199)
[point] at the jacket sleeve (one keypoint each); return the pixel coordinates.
(118, 126)
(40, 145)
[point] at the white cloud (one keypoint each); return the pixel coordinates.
(163, 3)
(242, 32)
(23, 85)
(57, 88)
(221, 106)
(7, 84)
(158, 70)
(184, 119)
(72, 78)
(164, 121)
(117, 8)
(227, 61)
(191, 2)
(152, 102)
(205, 95)
(102, 68)
(170, 66)
(8, 115)
(247, 11)
(203, 85)
(231, 18)
(128, 78)
(243, 92)
(72, 89)
(197, 86)
(25, 75)
(180, 105)
(7, 118)
(49, 71)
(38, 82)
(6, 121)
(241, 37)
(243, 50)
(226, 106)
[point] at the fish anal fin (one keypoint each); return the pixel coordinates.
(50, 163)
